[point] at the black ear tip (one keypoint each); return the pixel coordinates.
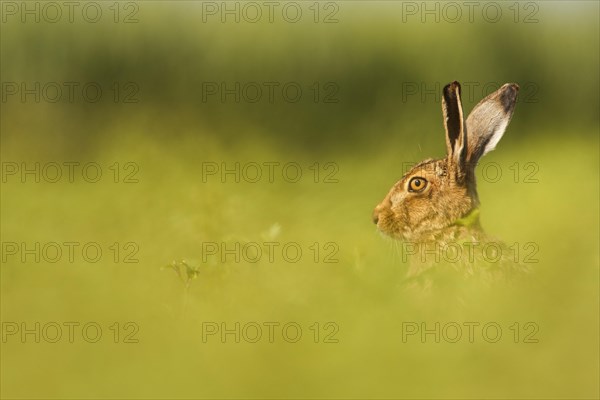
(508, 97)
(511, 87)
(452, 87)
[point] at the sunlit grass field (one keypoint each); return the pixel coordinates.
(354, 310)
(169, 219)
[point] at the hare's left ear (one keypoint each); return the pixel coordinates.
(456, 143)
(488, 121)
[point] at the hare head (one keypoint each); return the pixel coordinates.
(437, 194)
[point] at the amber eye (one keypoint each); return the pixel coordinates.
(417, 184)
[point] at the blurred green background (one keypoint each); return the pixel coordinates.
(383, 69)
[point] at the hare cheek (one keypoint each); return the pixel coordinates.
(417, 210)
(400, 208)
(396, 199)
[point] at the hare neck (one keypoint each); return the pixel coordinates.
(471, 219)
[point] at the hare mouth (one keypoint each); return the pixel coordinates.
(393, 231)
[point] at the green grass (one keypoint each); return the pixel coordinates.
(170, 212)
(370, 134)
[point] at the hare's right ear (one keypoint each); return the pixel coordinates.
(488, 121)
(456, 143)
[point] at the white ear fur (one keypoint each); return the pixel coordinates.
(496, 135)
(488, 121)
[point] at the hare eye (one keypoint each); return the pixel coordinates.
(417, 184)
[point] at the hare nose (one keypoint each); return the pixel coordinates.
(375, 217)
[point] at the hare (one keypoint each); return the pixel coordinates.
(435, 207)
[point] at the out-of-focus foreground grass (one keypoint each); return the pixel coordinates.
(377, 126)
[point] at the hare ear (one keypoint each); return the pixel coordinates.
(455, 127)
(488, 121)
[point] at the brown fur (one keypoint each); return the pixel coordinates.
(451, 192)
